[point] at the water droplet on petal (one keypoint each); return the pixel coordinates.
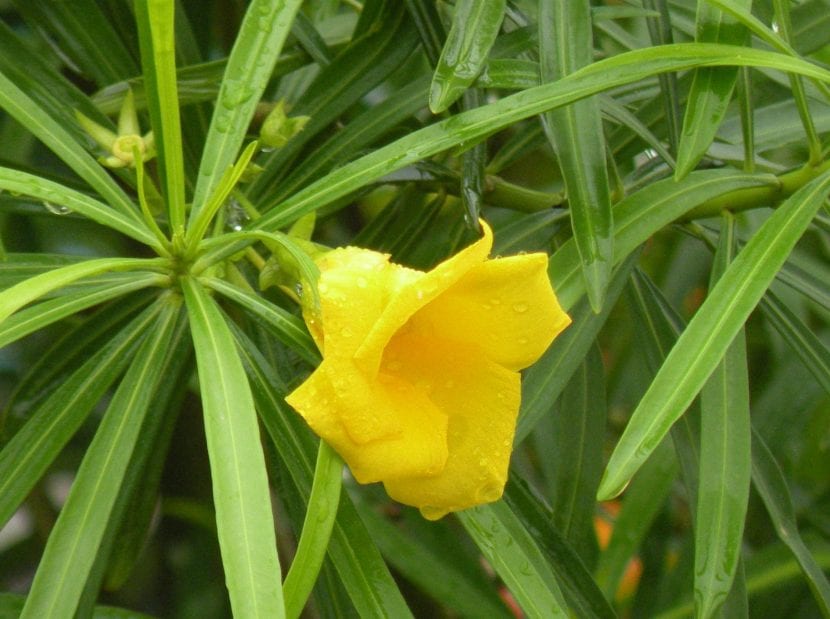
(495, 301)
(489, 492)
(449, 384)
(520, 308)
(424, 386)
(346, 332)
(522, 340)
(361, 282)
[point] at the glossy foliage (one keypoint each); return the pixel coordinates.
(671, 454)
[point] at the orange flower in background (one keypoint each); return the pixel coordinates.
(419, 387)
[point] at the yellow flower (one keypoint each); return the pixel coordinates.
(419, 386)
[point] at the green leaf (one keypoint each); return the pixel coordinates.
(577, 454)
(565, 46)
(289, 253)
(250, 64)
(15, 297)
(802, 340)
(197, 83)
(32, 449)
(474, 124)
(784, 30)
(310, 39)
(708, 335)
(725, 461)
(475, 25)
(199, 223)
(578, 586)
(643, 500)
(49, 131)
(769, 481)
(35, 75)
(158, 63)
(358, 564)
(86, 35)
(433, 556)
(11, 604)
(244, 520)
(38, 316)
(510, 548)
(58, 195)
(661, 33)
(131, 524)
(287, 327)
(360, 133)
(82, 338)
(660, 328)
(430, 27)
(711, 88)
(545, 380)
(76, 536)
(319, 521)
(366, 62)
(643, 213)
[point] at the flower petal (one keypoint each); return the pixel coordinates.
(481, 399)
(383, 431)
(350, 278)
(505, 306)
(413, 294)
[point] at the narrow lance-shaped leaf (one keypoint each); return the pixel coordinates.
(244, 521)
(475, 25)
(603, 75)
(359, 566)
(74, 540)
(385, 43)
(661, 33)
(433, 557)
(317, 526)
(577, 452)
(289, 329)
(250, 65)
(566, 45)
(25, 111)
(513, 553)
(12, 299)
(42, 314)
(762, 31)
(771, 485)
(703, 344)
(579, 588)
(545, 380)
(725, 458)
(643, 500)
(813, 353)
(781, 10)
(59, 195)
(32, 449)
(711, 89)
(473, 124)
(158, 62)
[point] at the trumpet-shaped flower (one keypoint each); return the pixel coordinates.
(419, 386)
